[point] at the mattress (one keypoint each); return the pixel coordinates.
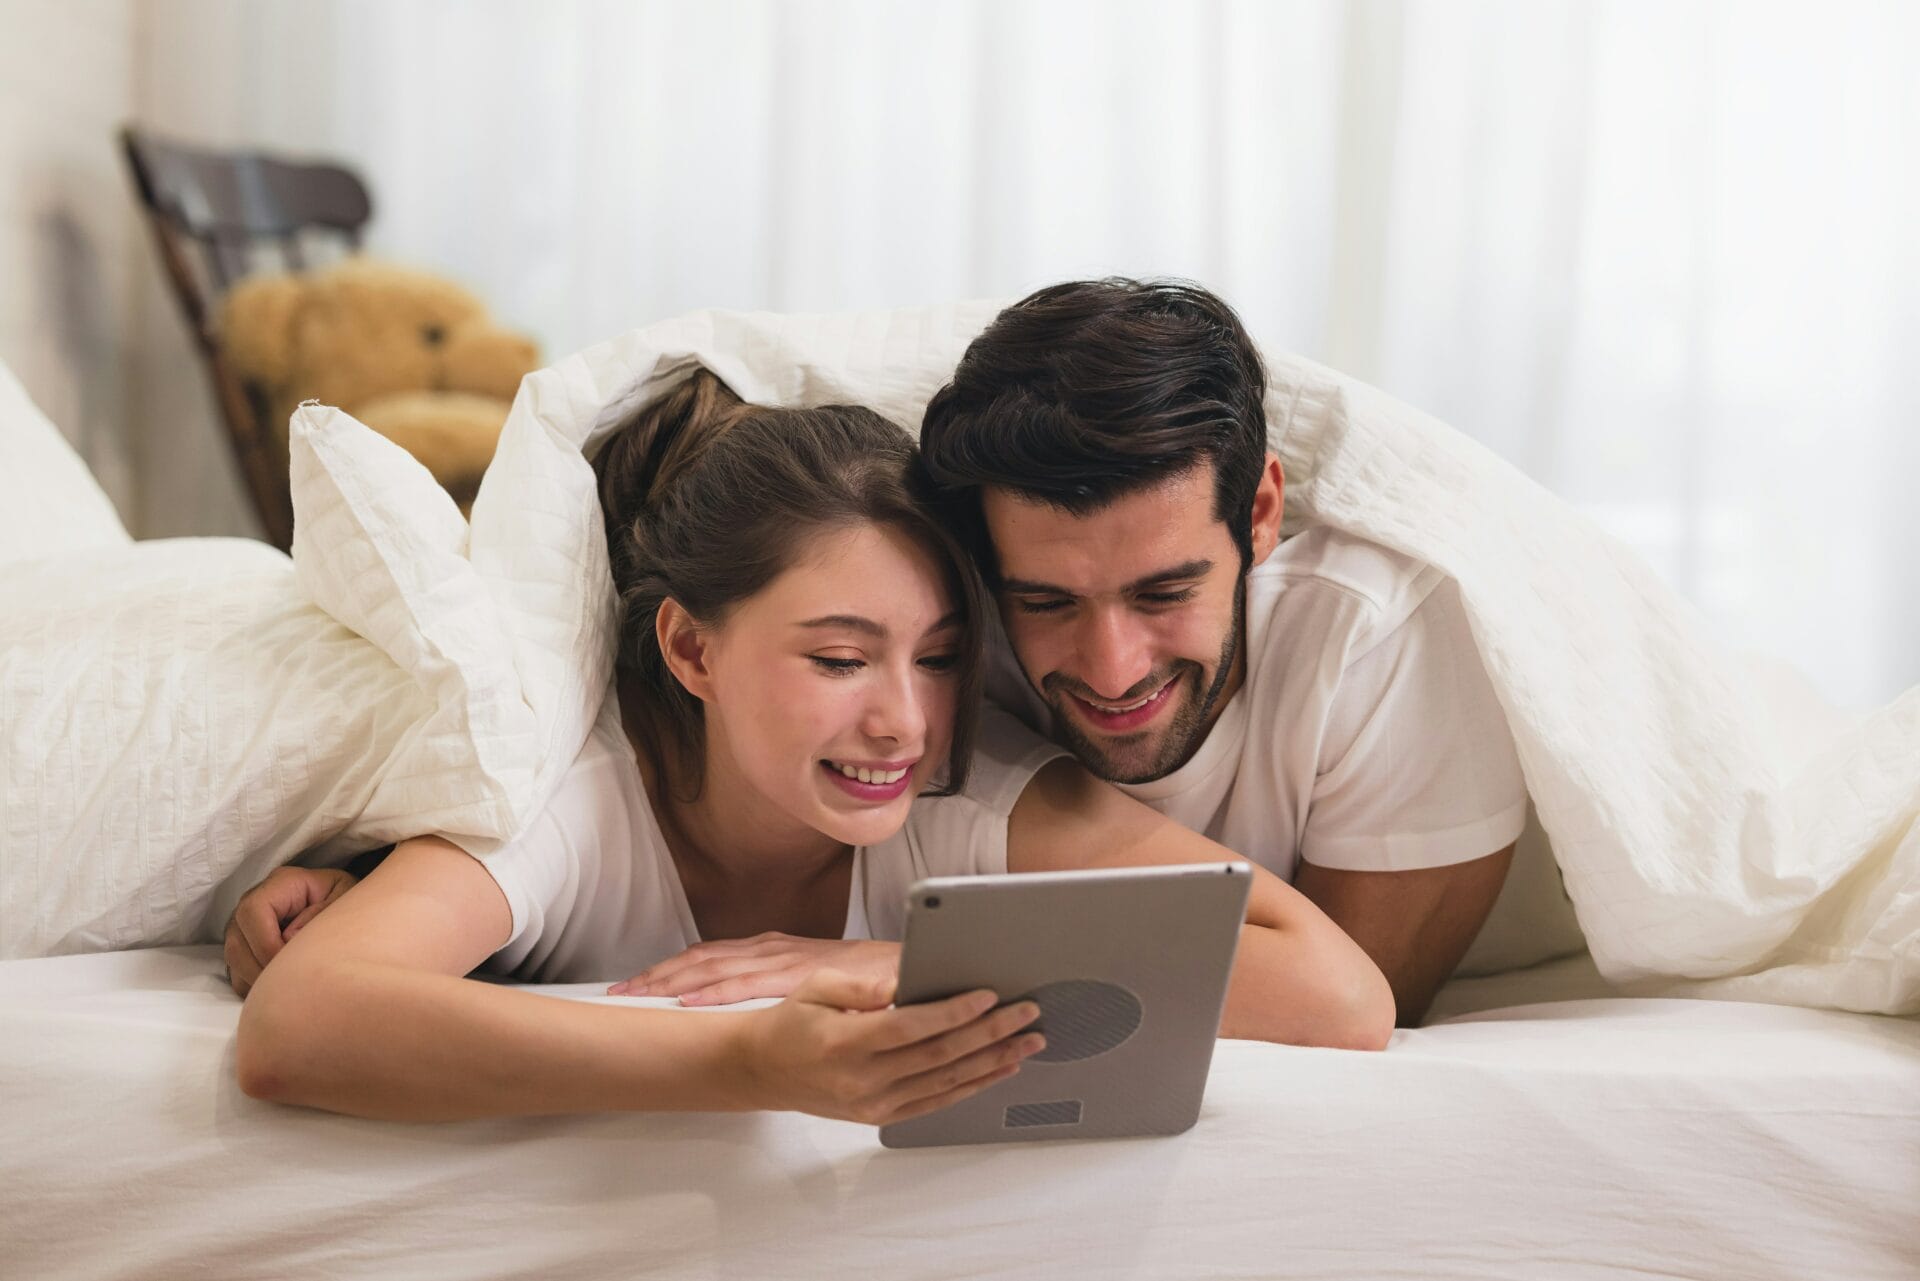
(1540, 1128)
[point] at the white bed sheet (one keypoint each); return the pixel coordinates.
(1541, 1130)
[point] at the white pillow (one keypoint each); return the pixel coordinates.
(49, 502)
(178, 717)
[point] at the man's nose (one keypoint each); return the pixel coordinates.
(1114, 654)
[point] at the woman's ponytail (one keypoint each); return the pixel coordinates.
(644, 456)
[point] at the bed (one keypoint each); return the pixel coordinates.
(1539, 1127)
(405, 664)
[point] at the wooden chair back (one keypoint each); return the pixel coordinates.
(217, 215)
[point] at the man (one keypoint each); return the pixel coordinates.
(1317, 706)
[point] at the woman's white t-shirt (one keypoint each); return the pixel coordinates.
(595, 894)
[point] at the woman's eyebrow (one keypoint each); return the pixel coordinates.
(866, 626)
(847, 622)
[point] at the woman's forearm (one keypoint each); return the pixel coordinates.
(380, 1041)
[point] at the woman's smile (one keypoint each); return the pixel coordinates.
(875, 782)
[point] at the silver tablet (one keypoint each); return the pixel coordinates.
(1129, 967)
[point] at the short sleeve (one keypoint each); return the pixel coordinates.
(1417, 766)
(544, 871)
(966, 834)
(537, 872)
(960, 835)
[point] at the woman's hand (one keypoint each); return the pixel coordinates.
(274, 911)
(725, 971)
(835, 1049)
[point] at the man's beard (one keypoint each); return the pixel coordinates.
(1183, 734)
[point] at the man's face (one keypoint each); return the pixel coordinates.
(1128, 620)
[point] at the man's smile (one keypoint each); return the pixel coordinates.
(1125, 717)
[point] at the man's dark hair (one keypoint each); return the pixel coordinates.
(1087, 391)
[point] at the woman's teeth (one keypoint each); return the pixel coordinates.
(882, 777)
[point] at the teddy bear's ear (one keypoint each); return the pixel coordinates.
(256, 327)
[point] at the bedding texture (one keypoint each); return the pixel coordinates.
(1531, 1132)
(1717, 834)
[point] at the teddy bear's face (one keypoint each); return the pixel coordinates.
(363, 335)
(361, 330)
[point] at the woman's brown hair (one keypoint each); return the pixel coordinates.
(708, 499)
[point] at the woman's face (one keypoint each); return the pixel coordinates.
(831, 693)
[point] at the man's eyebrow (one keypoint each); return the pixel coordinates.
(866, 626)
(1172, 574)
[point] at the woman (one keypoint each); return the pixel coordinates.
(794, 740)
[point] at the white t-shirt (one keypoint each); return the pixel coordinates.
(1365, 736)
(595, 895)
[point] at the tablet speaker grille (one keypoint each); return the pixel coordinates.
(1064, 1112)
(1082, 1017)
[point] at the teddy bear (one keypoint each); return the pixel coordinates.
(410, 354)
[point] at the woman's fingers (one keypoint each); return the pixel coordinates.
(307, 913)
(274, 911)
(921, 1107)
(257, 920)
(911, 1024)
(949, 1083)
(960, 1063)
(942, 1048)
(342, 882)
(746, 987)
(669, 977)
(834, 1048)
(243, 968)
(688, 978)
(839, 990)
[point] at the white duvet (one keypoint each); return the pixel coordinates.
(1715, 835)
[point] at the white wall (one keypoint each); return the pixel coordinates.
(86, 317)
(70, 278)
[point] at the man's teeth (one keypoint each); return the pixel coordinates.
(1130, 707)
(882, 777)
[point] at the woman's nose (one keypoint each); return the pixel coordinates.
(896, 711)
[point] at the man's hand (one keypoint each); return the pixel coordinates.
(274, 911)
(722, 972)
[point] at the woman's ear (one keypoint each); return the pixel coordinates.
(683, 644)
(1269, 502)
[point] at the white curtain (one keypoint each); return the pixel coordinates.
(1657, 255)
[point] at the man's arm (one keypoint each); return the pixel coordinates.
(1416, 925)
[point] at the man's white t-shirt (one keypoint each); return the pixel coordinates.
(595, 894)
(1365, 736)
